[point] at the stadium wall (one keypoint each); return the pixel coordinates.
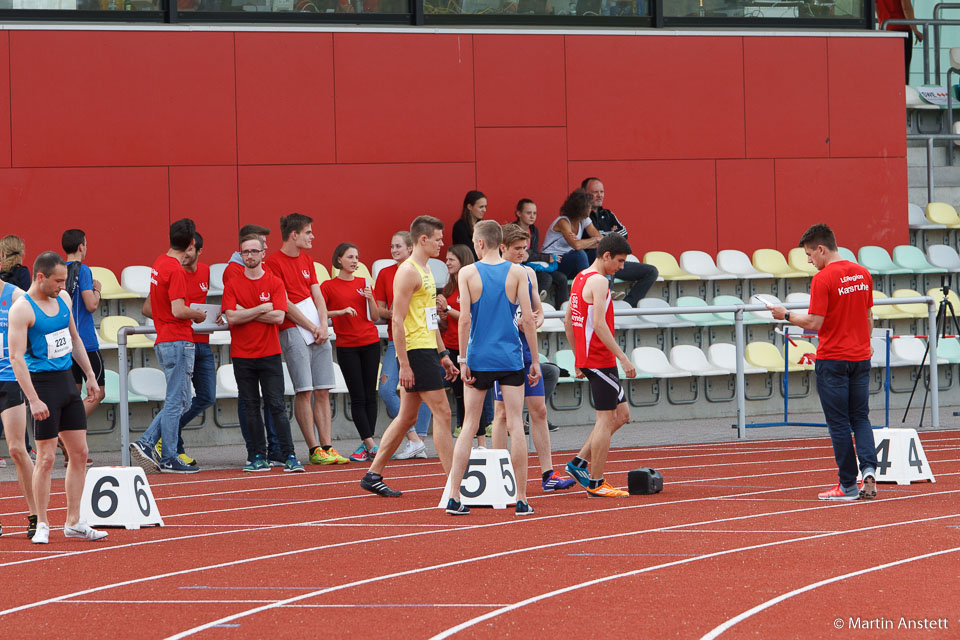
(704, 141)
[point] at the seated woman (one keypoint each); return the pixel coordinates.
(565, 239)
(548, 275)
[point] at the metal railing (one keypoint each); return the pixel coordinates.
(930, 138)
(740, 384)
(926, 23)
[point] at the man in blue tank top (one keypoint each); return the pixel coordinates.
(490, 292)
(43, 343)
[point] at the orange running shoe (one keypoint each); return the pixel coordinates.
(837, 493)
(607, 491)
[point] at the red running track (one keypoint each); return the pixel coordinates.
(737, 545)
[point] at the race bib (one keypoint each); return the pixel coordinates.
(432, 320)
(59, 344)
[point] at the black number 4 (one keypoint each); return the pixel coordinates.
(913, 456)
(883, 456)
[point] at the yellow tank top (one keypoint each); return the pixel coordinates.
(420, 325)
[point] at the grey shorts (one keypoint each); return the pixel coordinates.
(310, 366)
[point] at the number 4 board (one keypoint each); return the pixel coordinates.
(900, 457)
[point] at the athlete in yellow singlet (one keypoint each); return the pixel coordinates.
(424, 363)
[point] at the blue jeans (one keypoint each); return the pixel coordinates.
(273, 443)
(176, 359)
(389, 379)
(204, 385)
(572, 263)
(844, 388)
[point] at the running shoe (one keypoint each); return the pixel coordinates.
(3, 463)
(31, 526)
(175, 466)
(83, 530)
(187, 460)
(259, 464)
(868, 486)
(523, 509)
(361, 454)
(143, 457)
(556, 482)
(456, 508)
(552, 427)
(456, 432)
(580, 474)
(337, 457)
(373, 452)
(838, 493)
(411, 450)
(373, 482)
(292, 465)
(42, 536)
(605, 490)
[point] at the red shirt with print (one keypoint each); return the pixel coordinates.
(383, 290)
(356, 331)
(842, 292)
(198, 283)
(589, 351)
(297, 274)
(450, 335)
(168, 282)
(891, 10)
(254, 339)
(235, 269)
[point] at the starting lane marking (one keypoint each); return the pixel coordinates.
(451, 605)
(719, 629)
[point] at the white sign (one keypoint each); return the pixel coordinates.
(934, 95)
(118, 497)
(309, 309)
(900, 457)
(489, 481)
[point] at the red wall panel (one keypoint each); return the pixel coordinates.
(866, 97)
(516, 163)
(654, 97)
(5, 99)
(666, 205)
(124, 211)
(107, 98)
(864, 200)
(519, 81)
(208, 195)
(785, 84)
(285, 98)
(746, 205)
(404, 97)
(363, 204)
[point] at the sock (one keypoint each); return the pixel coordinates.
(579, 462)
(595, 484)
(327, 447)
(312, 449)
(547, 474)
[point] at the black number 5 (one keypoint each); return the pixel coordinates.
(512, 491)
(474, 473)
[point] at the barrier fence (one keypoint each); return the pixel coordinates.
(740, 385)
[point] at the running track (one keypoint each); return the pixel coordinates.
(737, 545)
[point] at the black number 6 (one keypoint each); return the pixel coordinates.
(99, 492)
(143, 500)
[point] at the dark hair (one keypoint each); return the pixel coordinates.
(197, 240)
(819, 234)
(424, 226)
(293, 223)
(72, 239)
(465, 255)
(468, 201)
(512, 233)
(252, 236)
(341, 249)
(521, 204)
(181, 234)
(577, 206)
(586, 181)
(614, 244)
(46, 262)
(253, 229)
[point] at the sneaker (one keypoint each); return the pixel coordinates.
(175, 466)
(552, 427)
(410, 450)
(456, 508)
(422, 453)
(319, 456)
(523, 509)
(42, 535)
(868, 486)
(31, 526)
(184, 458)
(618, 295)
(456, 432)
(373, 482)
(361, 454)
(292, 465)
(373, 452)
(556, 482)
(839, 494)
(581, 475)
(143, 457)
(187, 460)
(543, 295)
(85, 531)
(338, 458)
(605, 490)
(3, 463)
(259, 464)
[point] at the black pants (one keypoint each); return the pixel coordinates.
(254, 374)
(908, 55)
(360, 366)
(457, 386)
(557, 280)
(641, 275)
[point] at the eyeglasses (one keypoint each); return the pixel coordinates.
(251, 252)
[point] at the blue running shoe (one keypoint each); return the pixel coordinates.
(259, 464)
(557, 483)
(292, 465)
(456, 508)
(524, 509)
(582, 475)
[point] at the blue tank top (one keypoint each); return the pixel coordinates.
(49, 345)
(494, 341)
(6, 299)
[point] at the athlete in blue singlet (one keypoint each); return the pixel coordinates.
(43, 342)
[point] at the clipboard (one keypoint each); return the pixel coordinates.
(210, 324)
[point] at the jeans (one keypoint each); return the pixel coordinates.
(843, 387)
(273, 443)
(254, 375)
(204, 385)
(551, 374)
(389, 379)
(176, 359)
(359, 366)
(573, 262)
(558, 280)
(641, 275)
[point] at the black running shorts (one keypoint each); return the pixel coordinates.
(427, 370)
(10, 395)
(59, 392)
(605, 388)
(96, 361)
(484, 379)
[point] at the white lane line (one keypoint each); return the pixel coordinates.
(501, 610)
(583, 585)
(451, 605)
(719, 629)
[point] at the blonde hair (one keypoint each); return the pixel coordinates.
(12, 249)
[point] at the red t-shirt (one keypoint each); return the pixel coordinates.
(254, 339)
(358, 331)
(297, 274)
(891, 10)
(843, 294)
(451, 337)
(198, 283)
(383, 290)
(168, 282)
(589, 351)
(235, 268)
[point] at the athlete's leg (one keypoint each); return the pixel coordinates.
(442, 440)
(46, 453)
(499, 425)
(537, 409)
(409, 405)
(75, 440)
(303, 412)
(473, 405)
(14, 422)
(322, 417)
(513, 406)
(608, 422)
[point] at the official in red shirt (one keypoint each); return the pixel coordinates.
(841, 296)
(255, 304)
(900, 10)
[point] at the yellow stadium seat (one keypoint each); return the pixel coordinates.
(954, 299)
(886, 311)
(772, 261)
(111, 286)
(943, 213)
(798, 349)
(797, 259)
(322, 274)
(767, 356)
(915, 309)
(110, 327)
(361, 272)
(667, 265)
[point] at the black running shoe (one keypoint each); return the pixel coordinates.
(31, 526)
(373, 482)
(456, 508)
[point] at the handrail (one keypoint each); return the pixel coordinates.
(937, 8)
(930, 138)
(926, 23)
(738, 310)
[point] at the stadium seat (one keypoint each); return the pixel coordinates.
(551, 325)
(723, 355)
(565, 359)
(288, 389)
(361, 272)
(440, 274)
(915, 309)
(749, 317)
(652, 363)
(690, 358)
(111, 289)
(322, 274)
(942, 213)
(802, 298)
(949, 350)
(917, 219)
(136, 278)
(699, 319)
(379, 265)
(667, 265)
(847, 254)
(738, 263)
(110, 326)
(797, 259)
(767, 356)
(218, 338)
(877, 261)
(148, 382)
(341, 383)
(943, 256)
(700, 264)
(912, 258)
(910, 350)
(772, 261)
(111, 389)
(879, 357)
(666, 320)
(226, 382)
(216, 279)
(887, 311)
(798, 349)
(631, 321)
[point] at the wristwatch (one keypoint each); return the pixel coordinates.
(445, 353)
(786, 316)
(461, 360)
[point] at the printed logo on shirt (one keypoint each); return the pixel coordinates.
(576, 318)
(153, 276)
(851, 288)
(305, 274)
(265, 296)
(203, 287)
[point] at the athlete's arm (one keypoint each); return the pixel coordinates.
(463, 328)
(243, 316)
(272, 317)
(535, 300)
(527, 320)
(807, 321)
(147, 309)
(567, 231)
(323, 333)
(181, 311)
(80, 355)
(599, 289)
(568, 332)
(91, 297)
(382, 311)
(21, 319)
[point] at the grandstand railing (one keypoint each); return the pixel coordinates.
(930, 138)
(737, 310)
(926, 23)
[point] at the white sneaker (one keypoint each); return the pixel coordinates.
(411, 449)
(82, 530)
(42, 536)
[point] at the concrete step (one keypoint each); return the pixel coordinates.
(917, 155)
(918, 195)
(942, 176)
